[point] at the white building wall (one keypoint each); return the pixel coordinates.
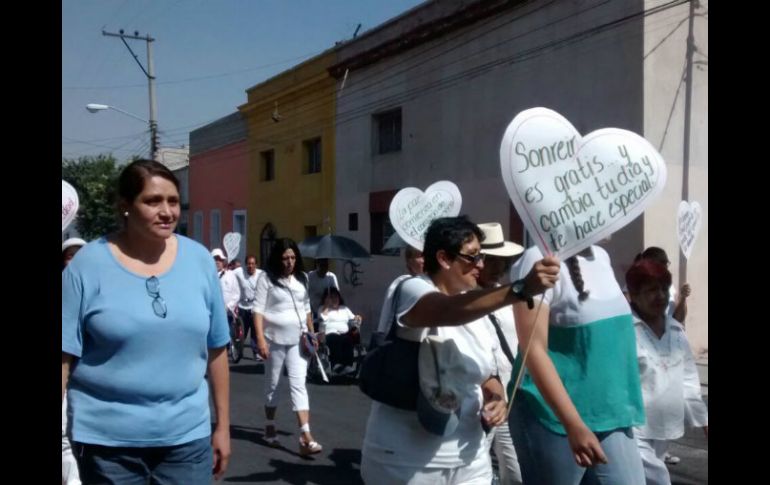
(452, 130)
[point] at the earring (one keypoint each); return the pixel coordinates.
(125, 214)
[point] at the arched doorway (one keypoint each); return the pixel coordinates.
(266, 240)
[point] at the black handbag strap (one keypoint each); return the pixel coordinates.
(501, 337)
(394, 306)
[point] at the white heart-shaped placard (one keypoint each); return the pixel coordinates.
(69, 204)
(572, 191)
(412, 210)
(232, 243)
(688, 226)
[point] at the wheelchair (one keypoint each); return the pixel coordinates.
(324, 354)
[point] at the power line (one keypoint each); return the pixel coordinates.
(194, 79)
(521, 56)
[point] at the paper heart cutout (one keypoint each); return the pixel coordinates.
(69, 205)
(232, 243)
(572, 191)
(688, 226)
(412, 210)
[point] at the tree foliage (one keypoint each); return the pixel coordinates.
(95, 180)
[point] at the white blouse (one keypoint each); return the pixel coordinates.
(336, 321)
(670, 384)
(284, 309)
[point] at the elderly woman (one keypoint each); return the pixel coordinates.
(336, 320)
(396, 448)
(139, 411)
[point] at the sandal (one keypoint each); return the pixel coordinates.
(271, 436)
(309, 448)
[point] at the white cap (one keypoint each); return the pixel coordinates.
(218, 253)
(73, 241)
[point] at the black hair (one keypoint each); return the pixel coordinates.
(577, 277)
(657, 254)
(332, 290)
(134, 176)
(449, 234)
(275, 267)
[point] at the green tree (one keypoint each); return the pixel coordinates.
(95, 179)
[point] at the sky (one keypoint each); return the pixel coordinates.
(206, 54)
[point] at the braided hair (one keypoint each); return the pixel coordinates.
(577, 277)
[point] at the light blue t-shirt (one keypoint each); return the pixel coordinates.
(138, 379)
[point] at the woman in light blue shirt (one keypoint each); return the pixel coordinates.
(143, 321)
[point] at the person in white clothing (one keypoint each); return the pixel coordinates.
(339, 326)
(318, 281)
(677, 305)
(230, 290)
(415, 263)
(282, 313)
(397, 449)
(670, 384)
(247, 282)
(499, 256)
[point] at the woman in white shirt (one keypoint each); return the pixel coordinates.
(670, 385)
(282, 313)
(397, 449)
(336, 321)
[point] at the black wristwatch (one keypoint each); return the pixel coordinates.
(518, 289)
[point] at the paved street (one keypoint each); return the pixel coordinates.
(338, 418)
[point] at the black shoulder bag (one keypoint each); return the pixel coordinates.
(389, 370)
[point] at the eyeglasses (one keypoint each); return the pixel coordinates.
(153, 289)
(474, 260)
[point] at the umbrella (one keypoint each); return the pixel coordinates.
(395, 242)
(332, 247)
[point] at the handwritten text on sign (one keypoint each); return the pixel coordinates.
(411, 211)
(69, 204)
(572, 191)
(688, 226)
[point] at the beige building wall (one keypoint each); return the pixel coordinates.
(667, 112)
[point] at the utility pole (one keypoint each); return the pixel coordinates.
(687, 116)
(150, 73)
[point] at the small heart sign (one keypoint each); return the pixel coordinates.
(232, 243)
(688, 226)
(412, 210)
(572, 191)
(69, 205)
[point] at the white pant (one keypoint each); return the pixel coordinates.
(478, 472)
(69, 467)
(653, 452)
(296, 367)
(508, 463)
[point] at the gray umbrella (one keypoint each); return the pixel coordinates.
(332, 247)
(395, 242)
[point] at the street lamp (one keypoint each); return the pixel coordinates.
(94, 107)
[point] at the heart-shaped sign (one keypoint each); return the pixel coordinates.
(572, 191)
(232, 242)
(69, 205)
(688, 226)
(412, 210)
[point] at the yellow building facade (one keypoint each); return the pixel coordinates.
(291, 121)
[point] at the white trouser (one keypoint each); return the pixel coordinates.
(296, 367)
(508, 463)
(69, 467)
(653, 452)
(478, 472)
